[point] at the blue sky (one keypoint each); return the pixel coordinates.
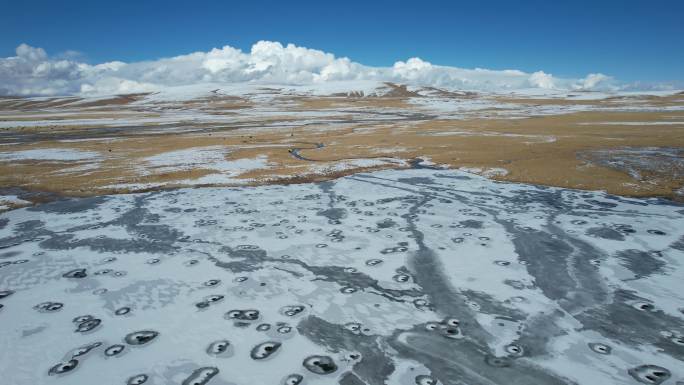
(631, 40)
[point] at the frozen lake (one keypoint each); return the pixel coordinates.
(400, 277)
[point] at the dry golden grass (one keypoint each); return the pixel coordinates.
(542, 150)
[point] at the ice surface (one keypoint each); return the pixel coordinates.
(416, 276)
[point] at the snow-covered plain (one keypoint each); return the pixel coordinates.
(426, 277)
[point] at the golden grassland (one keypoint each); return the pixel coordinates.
(537, 149)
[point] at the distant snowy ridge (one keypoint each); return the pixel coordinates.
(33, 73)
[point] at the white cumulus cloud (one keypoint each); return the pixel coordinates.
(542, 80)
(33, 72)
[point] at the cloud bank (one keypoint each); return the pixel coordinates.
(33, 72)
